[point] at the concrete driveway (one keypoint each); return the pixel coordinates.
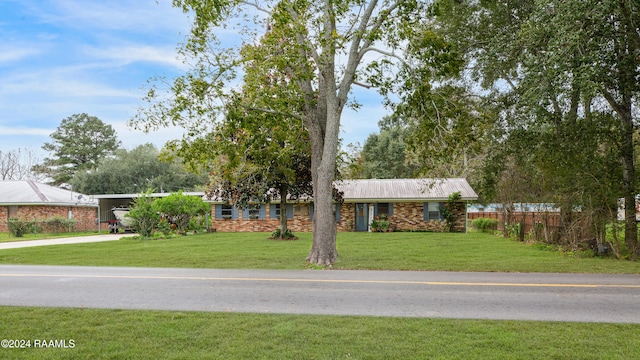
(63, 241)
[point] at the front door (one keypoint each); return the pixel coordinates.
(362, 217)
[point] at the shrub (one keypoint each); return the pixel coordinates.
(145, 217)
(448, 211)
(288, 235)
(19, 227)
(485, 224)
(164, 227)
(180, 209)
(58, 224)
(380, 225)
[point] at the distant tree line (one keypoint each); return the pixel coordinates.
(85, 155)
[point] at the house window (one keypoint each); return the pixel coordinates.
(275, 211)
(254, 212)
(336, 212)
(432, 210)
(226, 211)
(13, 212)
(383, 209)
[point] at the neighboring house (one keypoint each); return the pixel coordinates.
(29, 200)
(409, 204)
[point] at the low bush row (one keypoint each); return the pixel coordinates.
(56, 224)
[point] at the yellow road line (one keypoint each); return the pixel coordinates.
(345, 281)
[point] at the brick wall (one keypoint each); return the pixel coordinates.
(299, 223)
(406, 216)
(347, 217)
(410, 216)
(4, 217)
(86, 217)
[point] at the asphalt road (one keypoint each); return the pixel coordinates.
(552, 297)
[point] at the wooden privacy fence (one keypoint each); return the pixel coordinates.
(538, 224)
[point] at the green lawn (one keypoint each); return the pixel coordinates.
(381, 251)
(116, 334)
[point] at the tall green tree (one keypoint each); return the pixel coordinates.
(384, 155)
(565, 76)
(262, 158)
(135, 171)
(322, 47)
(79, 143)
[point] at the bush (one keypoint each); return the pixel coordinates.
(164, 227)
(58, 224)
(485, 224)
(380, 225)
(19, 227)
(145, 217)
(288, 235)
(181, 209)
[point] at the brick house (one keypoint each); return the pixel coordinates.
(408, 204)
(29, 200)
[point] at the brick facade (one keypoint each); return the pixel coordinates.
(406, 217)
(301, 222)
(86, 217)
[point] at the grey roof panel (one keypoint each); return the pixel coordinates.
(28, 192)
(406, 189)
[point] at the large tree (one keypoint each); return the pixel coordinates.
(135, 171)
(565, 74)
(322, 47)
(384, 155)
(79, 143)
(260, 156)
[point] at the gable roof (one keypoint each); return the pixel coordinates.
(369, 190)
(28, 192)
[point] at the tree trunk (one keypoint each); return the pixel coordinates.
(283, 211)
(323, 251)
(628, 185)
(324, 147)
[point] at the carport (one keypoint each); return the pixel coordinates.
(106, 202)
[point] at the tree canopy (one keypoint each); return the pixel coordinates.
(384, 155)
(79, 143)
(561, 78)
(135, 171)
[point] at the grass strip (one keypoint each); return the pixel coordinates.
(119, 334)
(358, 251)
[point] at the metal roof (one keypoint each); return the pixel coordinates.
(152, 195)
(369, 190)
(405, 189)
(27, 192)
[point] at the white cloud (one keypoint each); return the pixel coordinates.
(65, 82)
(13, 54)
(24, 131)
(136, 15)
(128, 54)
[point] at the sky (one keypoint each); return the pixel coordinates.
(64, 57)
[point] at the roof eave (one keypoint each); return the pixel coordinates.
(49, 204)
